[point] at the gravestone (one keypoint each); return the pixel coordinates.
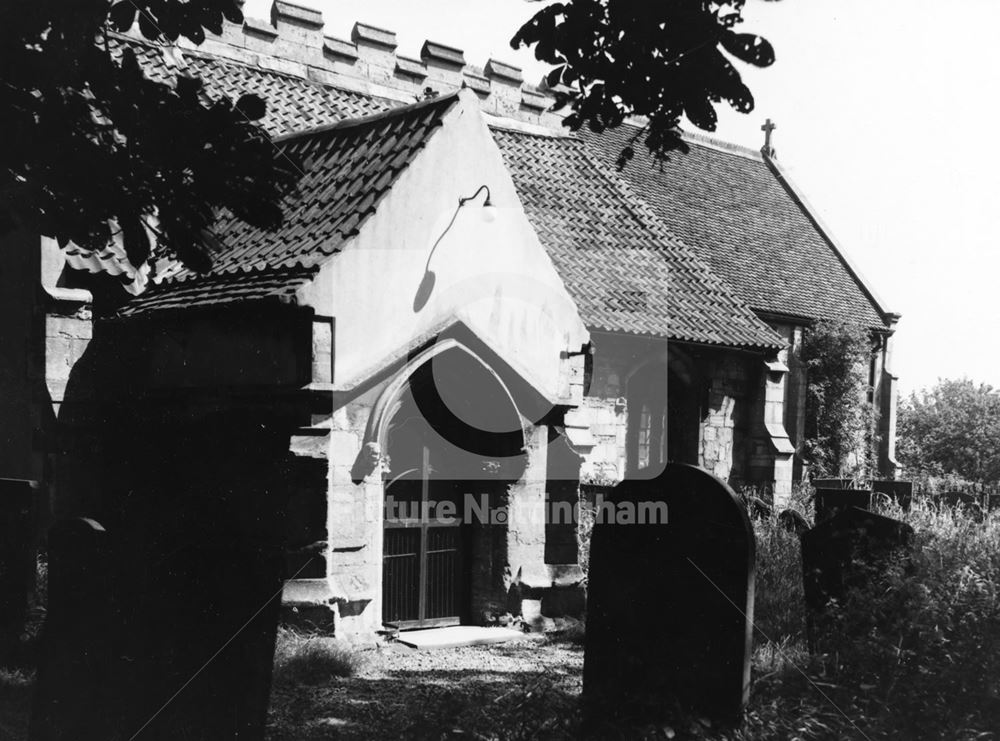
(961, 500)
(16, 559)
(670, 606)
(187, 594)
(844, 552)
(76, 650)
(992, 502)
(793, 521)
(829, 502)
(898, 491)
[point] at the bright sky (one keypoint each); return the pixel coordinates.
(883, 111)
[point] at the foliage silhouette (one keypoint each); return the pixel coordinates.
(94, 151)
(658, 60)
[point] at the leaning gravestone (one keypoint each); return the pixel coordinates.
(793, 522)
(76, 650)
(898, 491)
(830, 502)
(845, 553)
(670, 606)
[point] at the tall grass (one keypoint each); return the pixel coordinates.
(913, 654)
(306, 658)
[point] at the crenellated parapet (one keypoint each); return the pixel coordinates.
(293, 42)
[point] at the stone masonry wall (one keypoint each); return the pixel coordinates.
(722, 435)
(604, 410)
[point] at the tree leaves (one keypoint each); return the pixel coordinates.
(93, 151)
(749, 48)
(251, 106)
(952, 428)
(657, 60)
(122, 15)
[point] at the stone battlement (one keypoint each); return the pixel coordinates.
(293, 42)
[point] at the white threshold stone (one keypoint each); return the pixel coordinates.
(457, 636)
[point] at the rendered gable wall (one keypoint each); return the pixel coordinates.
(490, 271)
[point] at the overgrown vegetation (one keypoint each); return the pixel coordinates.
(916, 656)
(840, 417)
(310, 659)
(913, 656)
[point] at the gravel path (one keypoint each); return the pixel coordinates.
(524, 688)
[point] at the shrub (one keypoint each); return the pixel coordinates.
(307, 658)
(840, 418)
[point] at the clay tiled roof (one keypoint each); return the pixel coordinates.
(612, 251)
(347, 169)
(218, 290)
(728, 205)
(625, 271)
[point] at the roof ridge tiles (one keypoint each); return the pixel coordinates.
(371, 119)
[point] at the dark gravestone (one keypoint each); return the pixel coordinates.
(992, 502)
(793, 521)
(74, 661)
(832, 483)
(670, 606)
(16, 559)
(200, 568)
(961, 500)
(187, 595)
(845, 553)
(900, 492)
(829, 502)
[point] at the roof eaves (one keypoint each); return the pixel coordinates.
(646, 215)
(824, 231)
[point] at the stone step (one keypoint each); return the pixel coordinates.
(457, 636)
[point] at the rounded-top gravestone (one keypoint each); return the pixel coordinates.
(670, 604)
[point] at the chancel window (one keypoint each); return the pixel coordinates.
(645, 436)
(647, 403)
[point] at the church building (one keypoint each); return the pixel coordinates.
(469, 311)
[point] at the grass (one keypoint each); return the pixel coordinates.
(310, 659)
(916, 655)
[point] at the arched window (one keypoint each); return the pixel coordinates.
(647, 424)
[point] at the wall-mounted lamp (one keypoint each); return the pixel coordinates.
(489, 210)
(426, 286)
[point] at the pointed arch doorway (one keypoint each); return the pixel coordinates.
(454, 443)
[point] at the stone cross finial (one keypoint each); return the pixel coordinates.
(768, 128)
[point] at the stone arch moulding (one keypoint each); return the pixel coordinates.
(388, 401)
